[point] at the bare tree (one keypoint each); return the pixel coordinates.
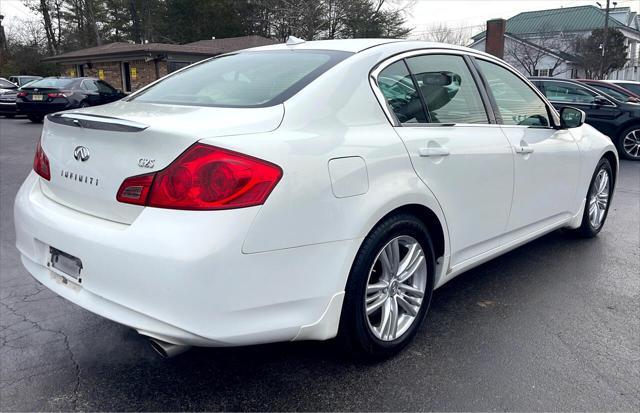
(442, 33)
(530, 54)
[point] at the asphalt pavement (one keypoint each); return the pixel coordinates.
(553, 325)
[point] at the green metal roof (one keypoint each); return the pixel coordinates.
(567, 19)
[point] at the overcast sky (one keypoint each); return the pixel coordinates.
(426, 13)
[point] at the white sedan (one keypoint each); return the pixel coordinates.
(303, 191)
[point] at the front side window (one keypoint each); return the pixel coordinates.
(565, 92)
(517, 103)
(401, 94)
(449, 91)
(247, 79)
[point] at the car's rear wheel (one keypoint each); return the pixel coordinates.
(35, 118)
(598, 200)
(629, 143)
(389, 289)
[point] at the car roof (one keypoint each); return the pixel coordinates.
(359, 45)
(345, 45)
(621, 81)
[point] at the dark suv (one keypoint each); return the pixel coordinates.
(618, 120)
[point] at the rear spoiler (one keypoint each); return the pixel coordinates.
(98, 122)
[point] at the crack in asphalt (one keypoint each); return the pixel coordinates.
(36, 324)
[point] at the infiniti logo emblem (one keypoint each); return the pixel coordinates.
(81, 154)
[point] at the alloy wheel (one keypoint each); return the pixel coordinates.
(631, 143)
(395, 288)
(599, 198)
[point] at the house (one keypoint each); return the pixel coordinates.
(130, 66)
(542, 43)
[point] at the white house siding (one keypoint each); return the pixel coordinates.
(563, 71)
(631, 71)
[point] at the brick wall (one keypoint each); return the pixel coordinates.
(141, 73)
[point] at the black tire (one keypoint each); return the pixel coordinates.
(354, 331)
(587, 229)
(621, 147)
(84, 105)
(35, 118)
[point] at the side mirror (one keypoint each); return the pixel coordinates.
(601, 100)
(571, 118)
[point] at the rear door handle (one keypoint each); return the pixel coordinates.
(433, 151)
(524, 149)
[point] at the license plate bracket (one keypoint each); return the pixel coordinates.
(66, 263)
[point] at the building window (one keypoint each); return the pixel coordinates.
(543, 72)
(173, 66)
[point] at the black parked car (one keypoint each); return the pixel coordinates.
(53, 94)
(618, 120)
(8, 92)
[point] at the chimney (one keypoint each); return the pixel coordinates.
(494, 44)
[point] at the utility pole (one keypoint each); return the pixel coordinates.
(604, 40)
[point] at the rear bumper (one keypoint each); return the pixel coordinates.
(8, 108)
(42, 108)
(180, 276)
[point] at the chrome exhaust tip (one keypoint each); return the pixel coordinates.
(167, 350)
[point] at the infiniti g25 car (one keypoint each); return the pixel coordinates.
(303, 191)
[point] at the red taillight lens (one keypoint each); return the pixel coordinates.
(41, 163)
(21, 94)
(204, 177)
(59, 94)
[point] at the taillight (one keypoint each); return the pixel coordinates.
(21, 94)
(59, 94)
(41, 163)
(204, 177)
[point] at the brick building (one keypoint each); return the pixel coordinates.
(130, 66)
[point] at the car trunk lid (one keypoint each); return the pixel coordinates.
(91, 152)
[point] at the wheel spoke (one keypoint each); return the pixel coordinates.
(406, 306)
(408, 273)
(374, 306)
(604, 180)
(391, 329)
(393, 252)
(374, 288)
(411, 255)
(386, 264)
(410, 290)
(386, 319)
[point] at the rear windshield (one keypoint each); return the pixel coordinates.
(52, 82)
(247, 79)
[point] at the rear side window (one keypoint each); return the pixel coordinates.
(247, 79)
(401, 94)
(448, 89)
(517, 102)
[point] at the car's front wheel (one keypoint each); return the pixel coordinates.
(598, 200)
(629, 143)
(389, 289)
